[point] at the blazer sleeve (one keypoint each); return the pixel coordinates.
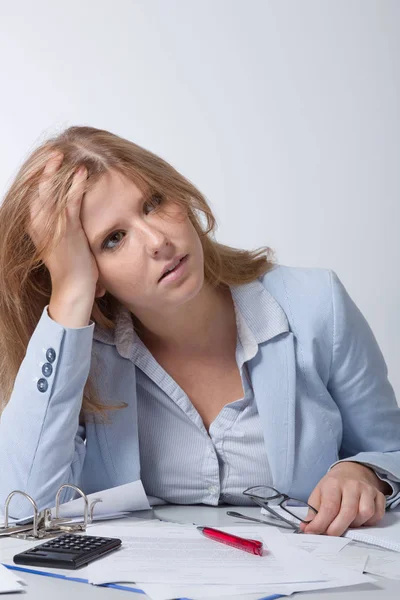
(41, 442)
(359, 384)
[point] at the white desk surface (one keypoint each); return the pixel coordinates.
(47, 588)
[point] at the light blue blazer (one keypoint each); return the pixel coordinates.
(319, 380)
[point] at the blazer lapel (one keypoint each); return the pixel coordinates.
(273, 375)
(272, 371)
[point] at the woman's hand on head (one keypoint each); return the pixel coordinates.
(349, 495)
(71, 264)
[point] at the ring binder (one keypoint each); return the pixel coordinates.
(44, 526)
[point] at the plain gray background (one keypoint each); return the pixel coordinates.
(284, 113)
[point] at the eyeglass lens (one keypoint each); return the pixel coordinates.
(273, 498)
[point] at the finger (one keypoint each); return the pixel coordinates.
(315, 501)
(348, 509)
(331, 497)
(51, 168)
(75, 193)
(366, 507)
(38, 205)
(380, 509)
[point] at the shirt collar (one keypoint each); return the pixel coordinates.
(259, 318)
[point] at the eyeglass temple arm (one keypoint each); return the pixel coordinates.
(278, 516)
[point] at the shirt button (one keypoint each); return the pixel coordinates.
(47, 369)
(213, 489)
(51, 355)
(42, 385)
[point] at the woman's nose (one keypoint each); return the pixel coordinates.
(155, 239)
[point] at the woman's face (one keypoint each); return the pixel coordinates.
(132, 243)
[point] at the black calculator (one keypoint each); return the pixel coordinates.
(68, 551)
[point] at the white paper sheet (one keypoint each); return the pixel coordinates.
(336, 550)
(9, 581)
(161, 591)
(240, 578)
(317, 544)
(115, 503)
(120, 499)
(385, 563)
(385, 534)
(331, 547)
(180, 554)
(354, 558)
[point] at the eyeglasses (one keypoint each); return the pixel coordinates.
(269, 498)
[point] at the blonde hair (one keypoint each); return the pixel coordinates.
(25, 284)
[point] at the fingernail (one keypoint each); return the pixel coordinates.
(81, 170)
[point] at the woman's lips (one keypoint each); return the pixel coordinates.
(176, 273)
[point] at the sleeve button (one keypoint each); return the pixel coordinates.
(51, 355)
(42, 385)
(47, 369)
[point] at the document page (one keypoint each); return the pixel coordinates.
(120, 499)
(214, 573)
(176, 554)
(9, 581)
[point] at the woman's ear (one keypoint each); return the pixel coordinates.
(100, 290)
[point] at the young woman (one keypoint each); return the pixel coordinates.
(133, 345)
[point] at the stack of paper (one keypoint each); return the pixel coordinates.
(380, 544)
(173, 561)
(386, 533)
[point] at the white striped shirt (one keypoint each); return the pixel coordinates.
(180, 462)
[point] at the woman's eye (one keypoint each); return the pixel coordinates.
(114, 240)
(114, 237)
(153, 203)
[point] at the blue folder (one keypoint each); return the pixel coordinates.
(116, 586)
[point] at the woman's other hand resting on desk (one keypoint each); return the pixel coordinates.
(72, 265)
(350, 495)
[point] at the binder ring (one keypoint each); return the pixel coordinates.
(74, 487)
(92, 505)
(35, 510)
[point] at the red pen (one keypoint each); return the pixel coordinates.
(252, 546)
